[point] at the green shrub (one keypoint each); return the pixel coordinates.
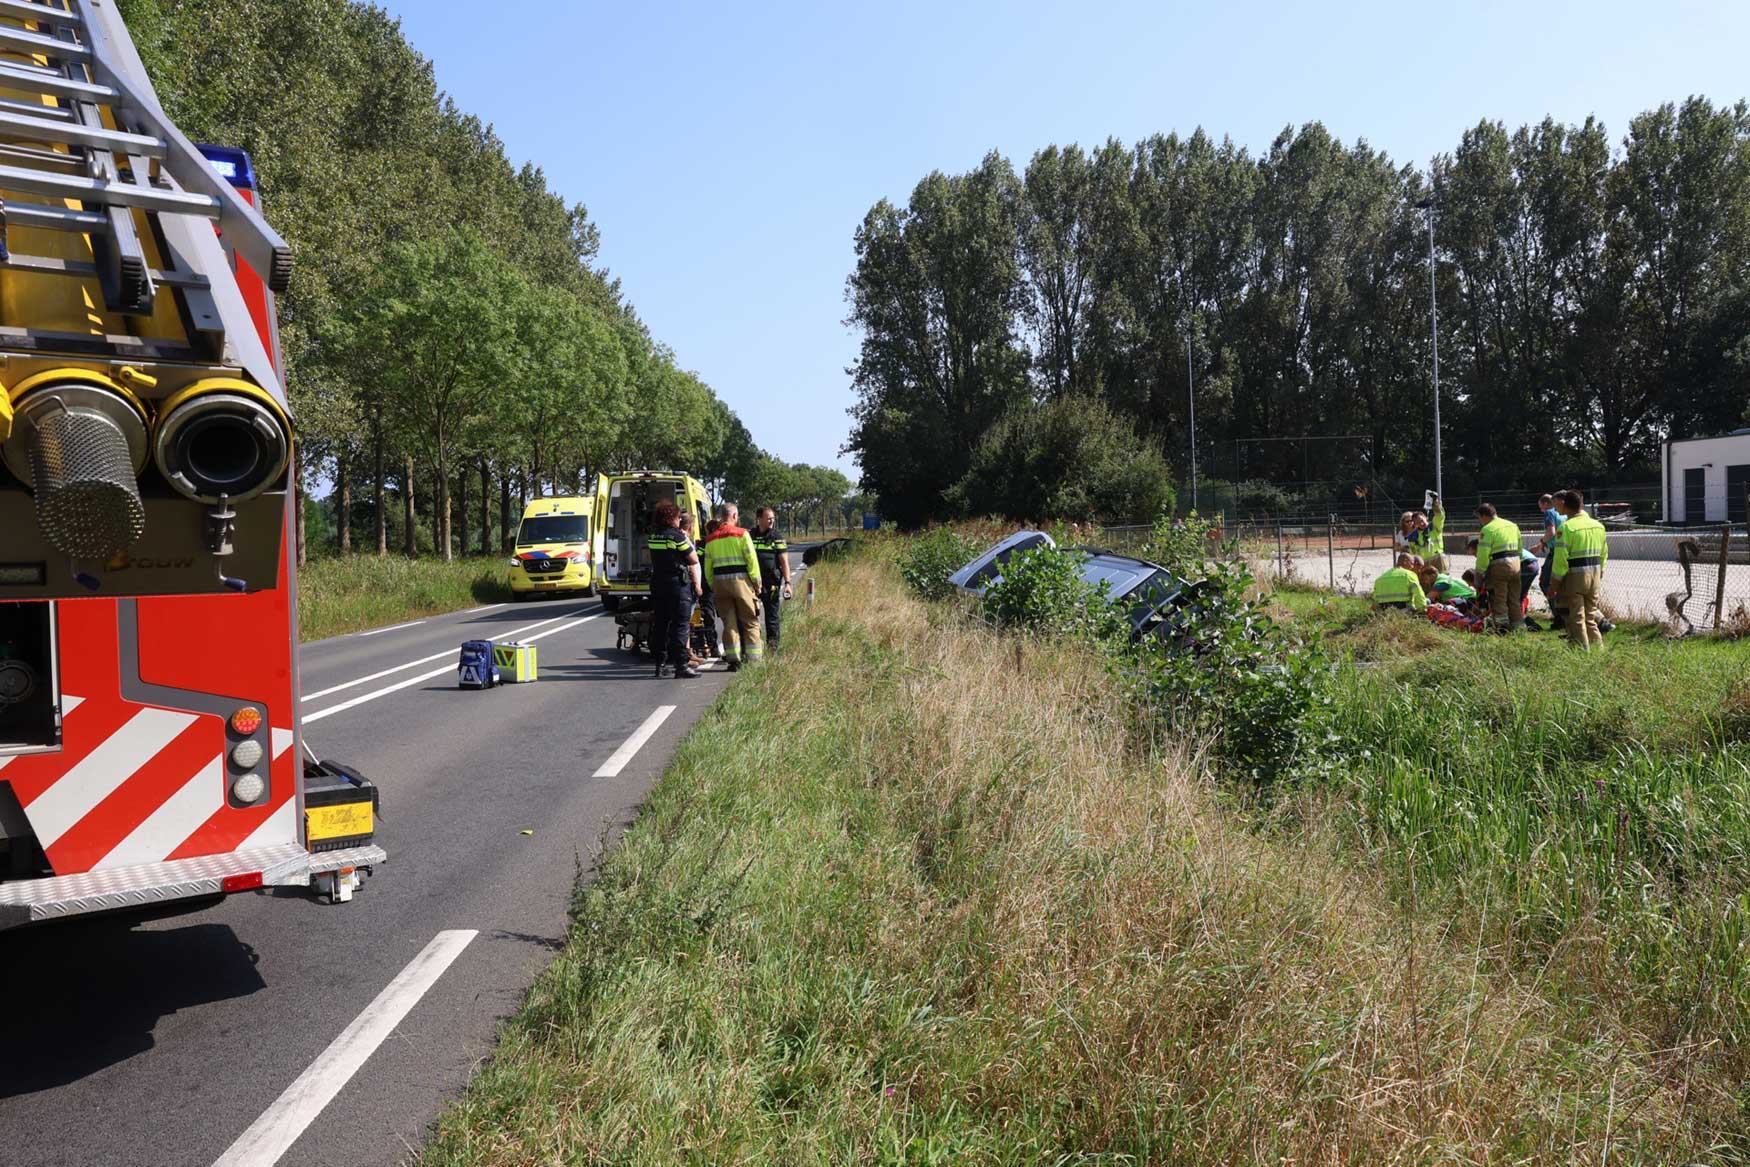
(1042, 590)
(1184, 546)
(932, 557)
(1225, 666)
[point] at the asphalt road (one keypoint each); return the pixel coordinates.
(166, 1042)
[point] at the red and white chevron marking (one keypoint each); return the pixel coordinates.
(138, 783)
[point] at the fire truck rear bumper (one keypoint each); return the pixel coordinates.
(150, 885)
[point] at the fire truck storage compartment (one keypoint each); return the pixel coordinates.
(340, 807)
(30, 698)
(630, 502)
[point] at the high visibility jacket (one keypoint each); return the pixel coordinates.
(1499, 539)
(669, 549)
(1452, 587)
(1399, 586)
(729, 551)
(1580, 544)
(771, 548)
(1431, 540)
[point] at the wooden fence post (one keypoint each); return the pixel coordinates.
(1720, 587)
(1331, 548)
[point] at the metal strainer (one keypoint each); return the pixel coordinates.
(83, 447)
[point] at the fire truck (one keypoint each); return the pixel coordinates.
(150, 752)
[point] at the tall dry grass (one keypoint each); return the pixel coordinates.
(914, 894)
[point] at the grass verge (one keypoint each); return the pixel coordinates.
(344, 594)
(1584, 819)
(909, 895)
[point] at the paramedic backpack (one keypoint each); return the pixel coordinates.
(475, 669)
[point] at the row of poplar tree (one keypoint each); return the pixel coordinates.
(451, 344)
(1594, 299)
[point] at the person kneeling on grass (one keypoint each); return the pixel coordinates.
(1399, 587)
(1447, 589)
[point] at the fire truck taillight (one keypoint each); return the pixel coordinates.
(221, 438)
(248, 789)
(78, 441)
(246, 721)
(247, 754)
(247, 881)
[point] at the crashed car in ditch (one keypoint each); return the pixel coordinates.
(1151, 593)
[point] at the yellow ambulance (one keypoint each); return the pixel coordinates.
(558, 545)
(623, 506)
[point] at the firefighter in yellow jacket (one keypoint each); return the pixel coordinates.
(1498, 554)
(1399, 587)
(732, 572)
(1577, 569)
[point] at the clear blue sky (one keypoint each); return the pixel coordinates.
(728, 151)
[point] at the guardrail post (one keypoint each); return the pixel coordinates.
(1720, 588)
(808, 592)
(1281, 555)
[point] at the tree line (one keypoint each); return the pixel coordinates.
(452, 345)
(1593, 300)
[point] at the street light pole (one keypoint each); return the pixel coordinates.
(1191, 382)
(1428, 205)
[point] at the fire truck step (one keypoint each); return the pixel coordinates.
(32, 900)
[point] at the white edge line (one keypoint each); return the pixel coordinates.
(448, 652)
(482, 608)
(630, 747)
(272, 1135)
(393, 628)
(409, 682)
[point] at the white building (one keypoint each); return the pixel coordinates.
(1705, 479)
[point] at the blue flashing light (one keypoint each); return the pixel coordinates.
(231, 164)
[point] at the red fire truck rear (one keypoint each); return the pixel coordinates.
(150, 751)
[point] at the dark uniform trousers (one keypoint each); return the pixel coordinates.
(772, 599)
(671, 619)
(771, 547)
(671, 597)
(707, 600)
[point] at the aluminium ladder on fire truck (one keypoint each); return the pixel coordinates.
(94, 101)
(147, 621)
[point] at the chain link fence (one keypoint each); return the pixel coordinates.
(1689, 579)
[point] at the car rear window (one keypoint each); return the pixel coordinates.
(983, 571)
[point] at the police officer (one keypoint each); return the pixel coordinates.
(702, 596)
(673, 562)
(774, 555)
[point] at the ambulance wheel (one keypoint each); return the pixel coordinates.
(610, 603)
